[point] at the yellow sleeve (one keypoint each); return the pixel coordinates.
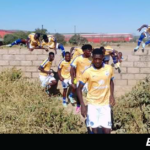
(29, 36)
(75, 62)
(44, 63)
(60, 65)
(84, 77)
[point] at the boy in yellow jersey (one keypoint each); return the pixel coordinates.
(75, 52)
(78, 65)
(100, 94)
(65, 77)
(33, 41)
(145, 34)
(45, 73)
(51, 42)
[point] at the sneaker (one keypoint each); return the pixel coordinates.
(78, 109)
(71, 99)
(64, 104)
(136, 48)
(9, 45)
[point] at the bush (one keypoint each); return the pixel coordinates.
(60, 38)
(132, 112)
(26, 108)
(78, 40)
(9, 38)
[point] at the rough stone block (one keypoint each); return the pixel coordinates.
(31, 57)
(14, 51)
(128, 76)
(4, 63)
(14, 63)
(140, 76)
(121, 82)
(31, 69)
(26, 63)
(127, 64)
(8, 57)
(133, 70)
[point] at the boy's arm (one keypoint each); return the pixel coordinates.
(112, 99)
(143, 26)
(73, 75)
(42, 70)
(59, 74)
(80, 96)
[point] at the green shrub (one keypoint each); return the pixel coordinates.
(26, 108)
(132, 112)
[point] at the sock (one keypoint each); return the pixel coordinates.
(64, 100)
(148, 42)
(141, 39)
(78, 105)
(61, 47)
(71, 95)
(16, 42)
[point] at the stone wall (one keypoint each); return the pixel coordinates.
(134, 68)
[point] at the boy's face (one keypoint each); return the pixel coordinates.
(67, 57)
(87, 52)
(98, 60)
(51, 57)
(46, 40)
(36, 37)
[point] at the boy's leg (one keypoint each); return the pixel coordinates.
(140, 40)
(64, 97)
(61, 47)
(144, 44)
(15, 43)
(72, 93)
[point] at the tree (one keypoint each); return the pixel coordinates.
(78, 40)
(9, 38)
(41, 31)
(60, 38)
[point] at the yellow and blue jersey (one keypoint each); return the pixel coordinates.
(98, 84)
(65, 69)
(33, 42)
(81, 64)
(46, 65)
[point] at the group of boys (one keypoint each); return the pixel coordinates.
(34, 42)
(86, 70)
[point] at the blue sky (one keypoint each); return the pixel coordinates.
(98, 16)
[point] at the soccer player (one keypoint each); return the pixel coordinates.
(51, 42)
(75, 52)
(145, 34)
(117, 59)
(78, 66)
(65, 77)
(108, 51)
(47, 80)
(100, 94)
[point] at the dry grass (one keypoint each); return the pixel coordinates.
(24, 108)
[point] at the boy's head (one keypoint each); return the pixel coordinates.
(37, 36)
(45, 38)
(87, 50)
(98, 57)
(51, 56)
(67, 56)
(103, 49)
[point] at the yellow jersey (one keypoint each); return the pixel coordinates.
(109, 50)
(77, 52)
(98, 84)
(33, 42)
(65, 69)
(81, 64)
(51, 42)
(46, 65)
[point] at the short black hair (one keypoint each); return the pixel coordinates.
(98, 51)
(51, 53)
(45, 36)
(87, 47)
(38, 34)
(67, 53)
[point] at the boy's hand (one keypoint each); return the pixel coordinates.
(61, 79)
(84, 111)
(112, 101)
(139, 29)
